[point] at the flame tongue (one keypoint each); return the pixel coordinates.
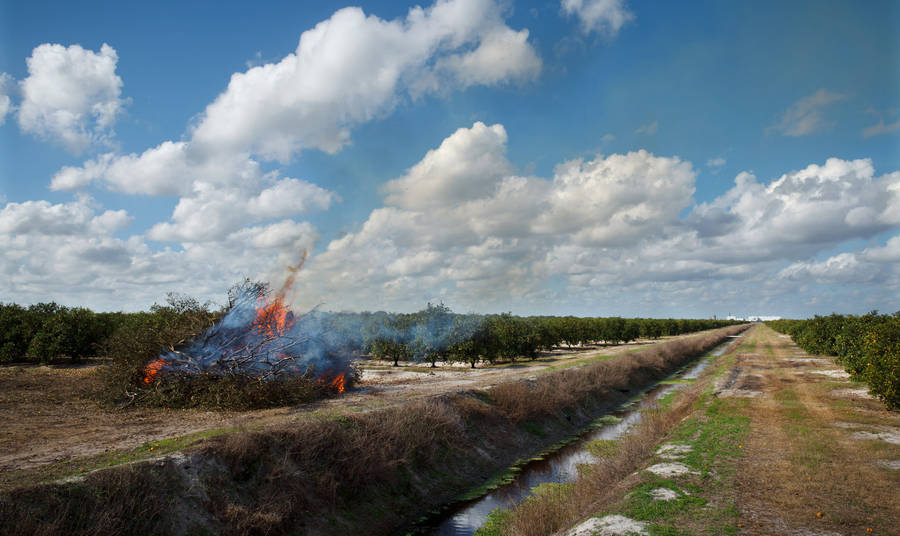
(335, 385)
(273, 320)
(153, 369)
(338, 383)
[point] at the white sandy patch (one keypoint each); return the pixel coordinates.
(663, 494)
(831, 373)
(847, 425)
(851, 393)
(890, 464)
(386, 376)
(613, 525)
(672, 451)
(890, 436)
(810, 360)
(741, 393)
(666, 470)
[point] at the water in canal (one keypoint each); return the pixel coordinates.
(559, 466)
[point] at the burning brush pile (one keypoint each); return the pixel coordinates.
(259, 354)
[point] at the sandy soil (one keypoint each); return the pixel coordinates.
(50, 417)
(812, 464)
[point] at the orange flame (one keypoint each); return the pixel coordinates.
(153, 369)
(275, 318)
(336, 384)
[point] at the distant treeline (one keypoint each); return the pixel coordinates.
(47, 331)
(868, 346)
(437, 334)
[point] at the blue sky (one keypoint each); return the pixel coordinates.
(585, 157)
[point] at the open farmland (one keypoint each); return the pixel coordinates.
(52, 418)
(530, 407)
(769, 440)
(450, 268)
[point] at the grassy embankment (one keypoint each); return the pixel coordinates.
(344, 473)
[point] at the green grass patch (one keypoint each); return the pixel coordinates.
(605, 421)
(499, 479)
(715, 432)
(641, 505)
(665, 401)
(496, 521)
(666, 530)
(81, 466)
(551, 488)
(716, 438)
(602, 448)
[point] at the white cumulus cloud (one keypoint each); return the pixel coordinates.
(605, 17)
(617, 199)
(608, 227)
(45, 218)
(72, 96)
(842, 268)
(348, 69)
(464, 224)
(212, 212)
(468, 165)
(68, 253)
(354, 67)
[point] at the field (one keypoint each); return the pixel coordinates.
(770, 440)
(53, 425)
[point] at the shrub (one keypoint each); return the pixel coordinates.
(867, 346)
(69, 332)
(229, 392)
(140, 338)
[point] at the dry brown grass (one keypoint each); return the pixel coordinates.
(562, 507)
(130, 500)
(283, 474)
(565, 388)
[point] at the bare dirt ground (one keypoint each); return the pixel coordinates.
(50, 418)
(819, 456)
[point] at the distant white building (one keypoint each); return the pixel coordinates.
(753, 318)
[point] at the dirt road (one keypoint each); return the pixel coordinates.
(822, 457)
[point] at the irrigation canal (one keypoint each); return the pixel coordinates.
(559, 466)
